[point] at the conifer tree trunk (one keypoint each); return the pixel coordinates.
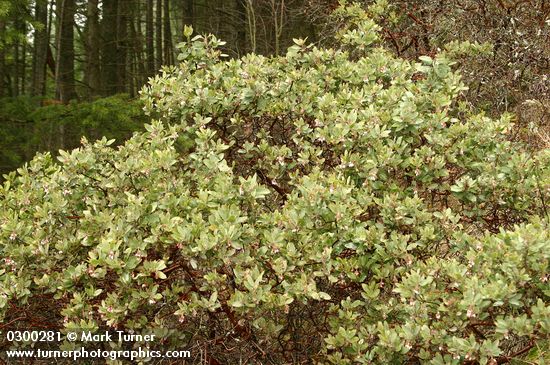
(2, 61)
(168, 52)
(140, 73)
(50, 60)
(240, 27)
(188, 13)
(40, 51)
(65, 81)
(158, 35)
(109, 47)
(23, 62)
(122, 45)
(16, 68)
(92, 68)
(20, 55)
(149, 40)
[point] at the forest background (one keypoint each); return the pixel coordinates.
(71, 68)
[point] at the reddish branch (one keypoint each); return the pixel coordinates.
(418, 21)
(393, 41)
(507, 359)
(12, 321)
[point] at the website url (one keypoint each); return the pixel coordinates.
(83, 353)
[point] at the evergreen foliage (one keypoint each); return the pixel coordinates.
(327, 205)
(27, 128)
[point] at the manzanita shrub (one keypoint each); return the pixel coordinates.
(326, 206)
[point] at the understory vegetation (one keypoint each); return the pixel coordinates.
(26, 127)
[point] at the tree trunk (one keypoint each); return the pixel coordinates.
(134, 49)
(122, 45)
(251, 25)
(168, 52)
(22, 64)
(278, 13)
(158, 30)
(18, 56)
(50, 60)
(65, 82)
(109, 47)
(16, 69)
(40, 51)
(139, 68)
(240, 27)
(188, 14)
(2, 61)
(149, 40)
(91, 68)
